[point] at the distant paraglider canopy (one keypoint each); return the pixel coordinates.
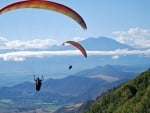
(78, 46)
(48, 5)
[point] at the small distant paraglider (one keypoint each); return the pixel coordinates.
(38, 82)
(70, 67)
(78, 46)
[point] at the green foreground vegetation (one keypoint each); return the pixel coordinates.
(130, 97)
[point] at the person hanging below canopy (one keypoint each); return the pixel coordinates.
(70, 67)
(38, 82)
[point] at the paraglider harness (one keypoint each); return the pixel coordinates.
(70, 67)
(38, 82)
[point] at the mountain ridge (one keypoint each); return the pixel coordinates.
(104, 44)
(130, 97)
(70, 89)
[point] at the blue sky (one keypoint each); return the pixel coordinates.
(126, 21)
(102, 18)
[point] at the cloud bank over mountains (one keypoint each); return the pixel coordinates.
(29, 44)
(136, 37)
(22, 55)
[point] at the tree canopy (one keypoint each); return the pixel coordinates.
(130, 97)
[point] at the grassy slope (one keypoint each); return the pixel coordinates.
(131, 97)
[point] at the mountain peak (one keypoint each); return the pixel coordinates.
(103, 43)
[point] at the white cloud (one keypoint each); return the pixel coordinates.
(22, 45)
(78, 39)
(115, 57)
(105, 77)
(22, 55)
(137, 37)
(120, 52)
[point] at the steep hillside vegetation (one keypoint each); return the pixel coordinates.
(131, 97)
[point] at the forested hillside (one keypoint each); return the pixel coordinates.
(130, 97)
